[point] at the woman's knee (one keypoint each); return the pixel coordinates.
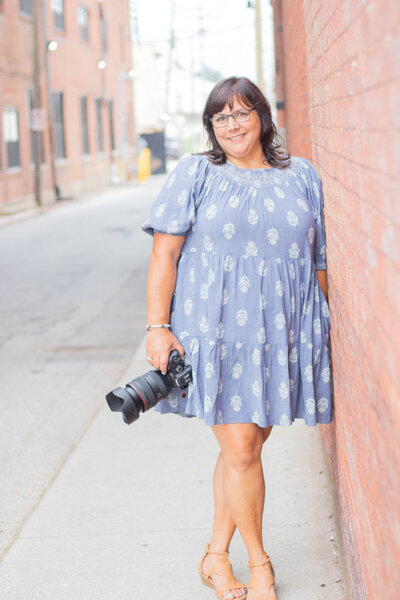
(265, 432)
(241, 447)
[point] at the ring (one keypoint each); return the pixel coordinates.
(148, 358)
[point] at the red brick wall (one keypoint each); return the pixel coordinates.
(73, 69)
(342, 96)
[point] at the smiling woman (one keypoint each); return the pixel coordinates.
(238, 240)
(245, 142)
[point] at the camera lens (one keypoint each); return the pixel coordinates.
(139, 395)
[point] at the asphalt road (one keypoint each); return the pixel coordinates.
(72, 314)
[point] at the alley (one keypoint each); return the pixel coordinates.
(72, 309)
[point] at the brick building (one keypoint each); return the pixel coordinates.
(87, 82)
(338, 93)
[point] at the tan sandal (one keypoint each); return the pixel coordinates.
(232, 583)
(267, 561)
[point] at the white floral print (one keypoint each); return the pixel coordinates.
(252, 216)
(247, 305)
(228, 230)
(272, 236)
(269, 204)
(244, 283)
(236, 403)
(241, 317)
(237, 370)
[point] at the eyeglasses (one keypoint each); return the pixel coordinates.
(239, 116)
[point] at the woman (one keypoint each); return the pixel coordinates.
(238, 279)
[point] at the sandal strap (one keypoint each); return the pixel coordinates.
(259, 564)
(227, 587)
(231, 584)
(208, 551)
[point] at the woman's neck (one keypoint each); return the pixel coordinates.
(256, 161)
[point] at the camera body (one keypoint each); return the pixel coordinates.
(144, 392)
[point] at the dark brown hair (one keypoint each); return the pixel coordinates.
(250, 95)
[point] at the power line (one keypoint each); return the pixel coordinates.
(205, 34)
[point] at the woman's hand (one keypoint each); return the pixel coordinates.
(323, 282)
(159, 344)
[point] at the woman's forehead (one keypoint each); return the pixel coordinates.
(234, 103)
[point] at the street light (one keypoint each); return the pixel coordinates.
(52, 45)
(101, 64)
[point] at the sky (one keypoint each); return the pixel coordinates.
(228, 41)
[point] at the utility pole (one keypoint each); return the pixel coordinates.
(36, 102)
(256, 4)
(201, 34)
(50, 111)
(260, 75)
(170, 57)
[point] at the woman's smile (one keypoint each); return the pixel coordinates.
(241, 141)
(237, 137)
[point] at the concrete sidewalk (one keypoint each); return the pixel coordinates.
(128, 516)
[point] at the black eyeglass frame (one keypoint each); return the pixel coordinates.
(248, 110)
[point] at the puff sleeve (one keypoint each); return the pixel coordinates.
(317, 200)
(174, 210)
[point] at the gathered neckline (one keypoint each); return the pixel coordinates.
(259, 170)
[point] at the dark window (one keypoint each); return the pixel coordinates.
(85, 130)
(57, 6)
(122, 42)
(103, 31)
(40, 133)
(11, 136)
(99, 126)
(58, 105)
(111, 123)
(83, 22)
(25, 6)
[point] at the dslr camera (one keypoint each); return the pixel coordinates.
(144, 392)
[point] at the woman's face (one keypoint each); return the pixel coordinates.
(239, 140)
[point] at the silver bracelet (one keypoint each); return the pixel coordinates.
(165, 326)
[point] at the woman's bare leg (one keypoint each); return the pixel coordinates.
(244, 486)
(224, 525)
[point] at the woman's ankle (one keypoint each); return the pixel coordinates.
(257, 556)
(219, 544)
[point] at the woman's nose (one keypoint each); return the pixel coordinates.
(231, 124)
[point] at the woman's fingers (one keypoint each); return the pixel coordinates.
(180, 349)
(159, 348)
(164, 363)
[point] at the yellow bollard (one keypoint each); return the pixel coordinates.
(144, 164)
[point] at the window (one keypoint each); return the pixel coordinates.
(40, 133)
(57, 6)
(25, 6)
(11, 136)
(58, 106)
(111, 124)
(122, 42)
(99, 126)
(85, 131)
(103, 31)
(83, 22)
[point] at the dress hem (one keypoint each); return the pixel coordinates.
(287, 423)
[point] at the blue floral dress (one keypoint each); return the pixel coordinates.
(247, 306)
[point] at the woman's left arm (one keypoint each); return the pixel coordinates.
(323, 282)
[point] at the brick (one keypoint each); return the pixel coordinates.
(74, 71)
(342, 75)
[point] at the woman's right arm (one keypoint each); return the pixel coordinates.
(160, 288)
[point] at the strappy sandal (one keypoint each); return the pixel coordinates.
(269, 596)
(232, 584)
